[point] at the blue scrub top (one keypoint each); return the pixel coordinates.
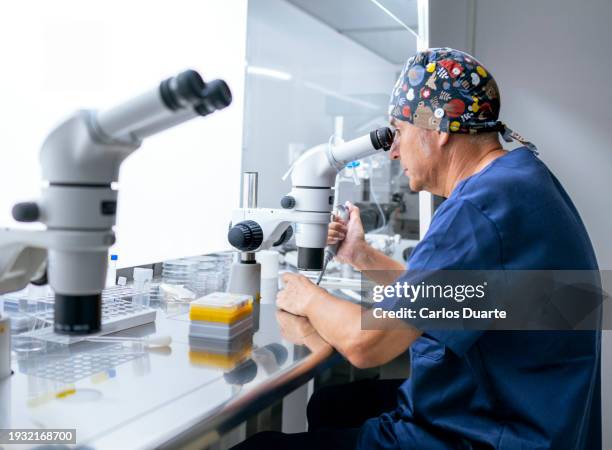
(500, 389)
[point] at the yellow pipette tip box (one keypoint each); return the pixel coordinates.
(221, 307)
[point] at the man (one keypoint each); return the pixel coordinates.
(503, 211)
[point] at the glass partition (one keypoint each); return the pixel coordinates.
(317, 69)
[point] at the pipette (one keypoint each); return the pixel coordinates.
(148, 341)
(342, 213)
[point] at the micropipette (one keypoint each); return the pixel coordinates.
(148, 341)
(342, 213)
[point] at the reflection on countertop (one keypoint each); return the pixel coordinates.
(125, 395)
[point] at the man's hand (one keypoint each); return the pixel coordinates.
(298, 293)
(294, 328)
(300, 331)
(354, 250)
(350, 236)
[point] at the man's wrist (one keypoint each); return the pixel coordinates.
(363, 256)
(313, 302)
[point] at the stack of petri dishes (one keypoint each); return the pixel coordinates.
(211, 273)
(206, 276)
(224, 262)
(179, 271)
(156, 297)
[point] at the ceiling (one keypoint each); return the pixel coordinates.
(379, 25)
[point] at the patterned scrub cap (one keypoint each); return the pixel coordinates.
(447, 90)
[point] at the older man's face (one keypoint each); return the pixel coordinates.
(416, 156)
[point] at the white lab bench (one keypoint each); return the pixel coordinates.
(129, 398)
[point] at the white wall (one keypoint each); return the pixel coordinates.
(552, 62)
(299, 110)
(551, 59)
(177, 191)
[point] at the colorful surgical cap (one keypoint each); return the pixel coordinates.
(443, 89)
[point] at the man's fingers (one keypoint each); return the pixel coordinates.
(287, 276)
(337, 235)
(333, 239)
(280, 299)
(337, 219)
(280, 317)
(352, 209)
(354, 214)
(337, 226)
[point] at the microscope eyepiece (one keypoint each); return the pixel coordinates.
(189, 85)
(219, 93)
(188, 89)
(216, 95)
(182, 90)
(382, 138)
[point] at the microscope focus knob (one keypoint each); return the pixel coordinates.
(26, 212)
(287, 202)
(245, 236)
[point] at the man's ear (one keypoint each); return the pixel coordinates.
(443, 138)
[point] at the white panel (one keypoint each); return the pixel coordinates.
(328, 73)
(404, 10)
(177, 191)
(394, 45)
(346, 14)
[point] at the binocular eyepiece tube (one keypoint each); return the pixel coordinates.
(176, 100)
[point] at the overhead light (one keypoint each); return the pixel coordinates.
(267, 72)
(394, 17)
(346, 98)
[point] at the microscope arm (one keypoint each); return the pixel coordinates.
(319, 166)
(89, 146)
(264, 228)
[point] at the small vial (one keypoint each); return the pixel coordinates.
(111, 272)
(142, 286)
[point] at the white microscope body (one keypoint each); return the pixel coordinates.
(80, 159)
(308, 204)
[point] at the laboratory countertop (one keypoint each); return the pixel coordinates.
(119, 395)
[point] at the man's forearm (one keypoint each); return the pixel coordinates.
(377, 266)
(339, 323)
(335, 320)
